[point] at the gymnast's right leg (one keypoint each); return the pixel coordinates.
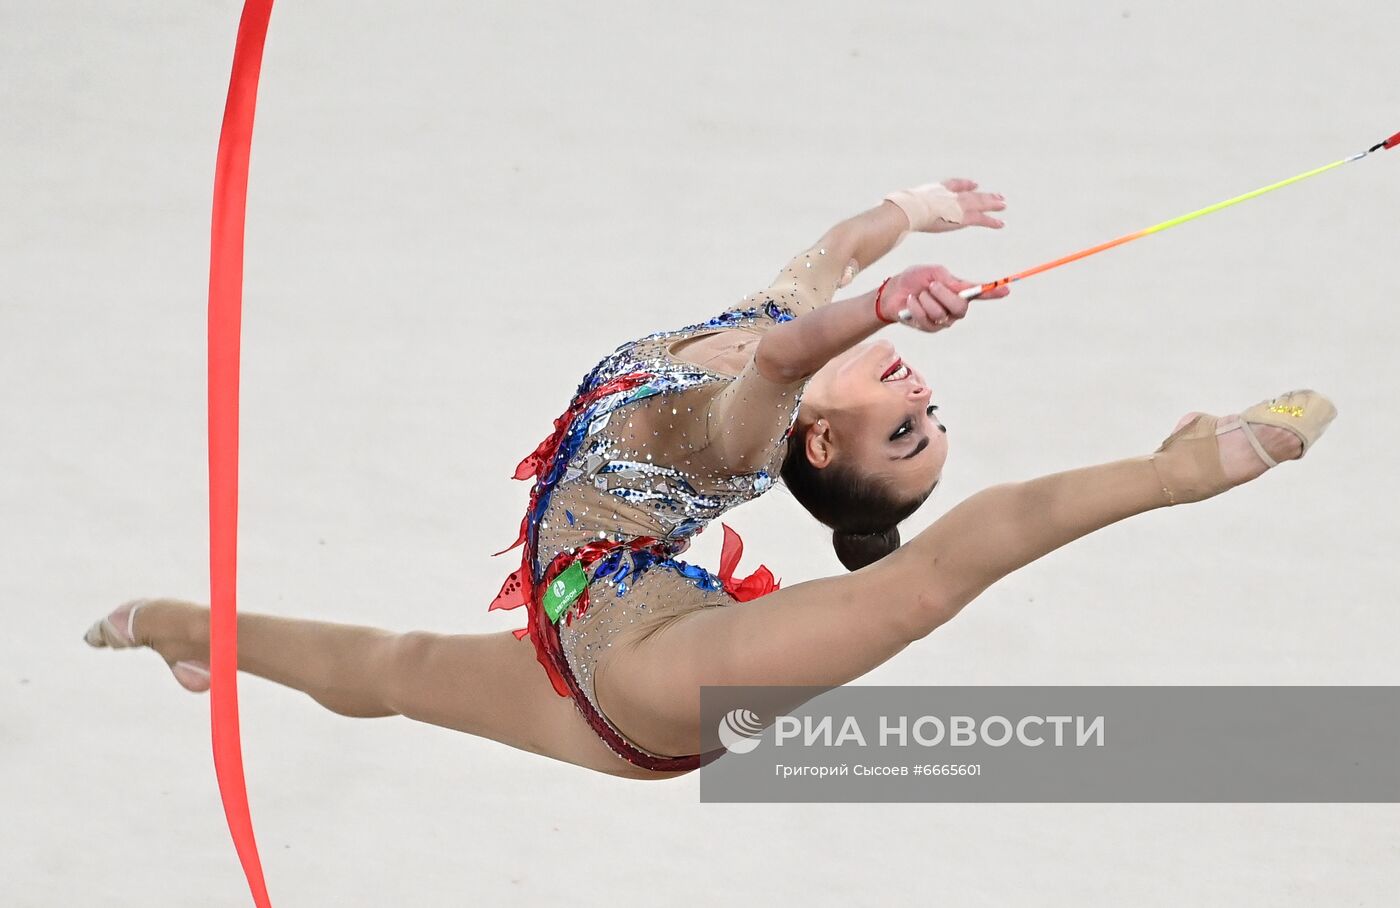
(489, 685)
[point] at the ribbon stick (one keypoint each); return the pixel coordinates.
(974, 292)
(225, 318)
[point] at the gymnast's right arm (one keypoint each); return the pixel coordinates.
(738, 425)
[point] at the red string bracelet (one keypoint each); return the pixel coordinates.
(878, 294)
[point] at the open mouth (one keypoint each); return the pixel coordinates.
(896, 372)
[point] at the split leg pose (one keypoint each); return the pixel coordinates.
(620, 690)
(824, 632)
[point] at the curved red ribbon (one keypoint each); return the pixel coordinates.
(225, 317)
(759, 583)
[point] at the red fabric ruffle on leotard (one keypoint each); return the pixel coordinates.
(519, 588)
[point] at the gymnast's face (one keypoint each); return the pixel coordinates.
(870, 409)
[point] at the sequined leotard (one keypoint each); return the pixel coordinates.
(652, 448)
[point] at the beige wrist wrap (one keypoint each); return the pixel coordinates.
(926, 205)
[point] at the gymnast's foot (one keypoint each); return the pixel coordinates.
(1206, 455)
(171, 627)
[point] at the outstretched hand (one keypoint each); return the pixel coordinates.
(930, 294)
(950, 205)
(975, 206)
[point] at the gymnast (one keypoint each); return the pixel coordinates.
(672, 430)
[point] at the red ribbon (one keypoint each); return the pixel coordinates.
(759, 583)
(225, 317)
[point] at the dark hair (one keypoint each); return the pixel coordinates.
(862, 512)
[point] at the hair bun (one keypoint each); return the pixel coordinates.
(856, 550)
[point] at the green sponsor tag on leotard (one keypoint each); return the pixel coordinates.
(563, 590)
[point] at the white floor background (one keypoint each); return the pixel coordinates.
(455, 209)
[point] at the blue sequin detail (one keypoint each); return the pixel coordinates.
(621, 565)
(769, 309)
(777, 313)
(697, 575)
(686, 528)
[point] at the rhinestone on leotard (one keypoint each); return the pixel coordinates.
(664, 467)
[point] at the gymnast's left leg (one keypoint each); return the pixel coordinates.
(489, 685)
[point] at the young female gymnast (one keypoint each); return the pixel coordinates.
(670, 431)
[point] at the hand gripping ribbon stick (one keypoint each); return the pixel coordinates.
(974, 292)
